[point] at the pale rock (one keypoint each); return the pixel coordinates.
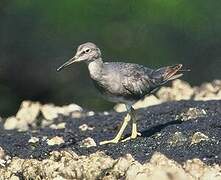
(147, 101)
(58, 126)
(33, 140)
(88, 142)
(208, 91)
(68, 109)
(195, 168)
(122, 164)
(49, 111)
(133, 171)
(106, 113)
(192, 113)
(177, 139)
(28, 111)
(90, 113)
(85, 127)
(2, 157)
(58, 177)
(2, 153)
(76, 114)
(180, 90)
(55, 141)
(198, 137)
(11, 123)
(14, 177)
(74, 107)
(67, 165)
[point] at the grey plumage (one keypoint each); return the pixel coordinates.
(127, 82)
(122, 82)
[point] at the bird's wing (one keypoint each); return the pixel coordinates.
(136, 80)
(139, 81)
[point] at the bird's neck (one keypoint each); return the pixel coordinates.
(95, 68)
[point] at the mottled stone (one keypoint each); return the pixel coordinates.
(177, 139)
(10, 123)
(192, 113)
(85, 127)
(55, 141)
(147, 101)
(33, 140)
(198, 137)
(58, 126)
(68, 165)
(28, 111)
(180, 90)
(88, 142)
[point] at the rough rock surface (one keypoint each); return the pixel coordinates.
(180, 140)
(68, 165)
(33, 114)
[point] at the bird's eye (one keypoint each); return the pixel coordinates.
(87, 50)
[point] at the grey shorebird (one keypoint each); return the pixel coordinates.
(121, 82)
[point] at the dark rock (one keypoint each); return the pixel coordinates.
(158, 125)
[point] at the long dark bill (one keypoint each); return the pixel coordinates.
(69, 62)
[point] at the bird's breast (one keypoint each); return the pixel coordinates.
(95, 69)
(109, 85)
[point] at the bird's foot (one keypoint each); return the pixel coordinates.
(112, 141)
(116, 140)
(133, 136)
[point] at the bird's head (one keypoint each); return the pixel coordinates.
(86, 52)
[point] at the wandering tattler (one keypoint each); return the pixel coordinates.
(122, 82)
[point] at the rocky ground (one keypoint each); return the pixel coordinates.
(180, 139)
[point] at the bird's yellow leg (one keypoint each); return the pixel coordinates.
(120, 132)
(134, 132)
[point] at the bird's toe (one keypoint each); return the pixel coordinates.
(113, 141)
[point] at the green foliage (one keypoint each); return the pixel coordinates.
(37, 36)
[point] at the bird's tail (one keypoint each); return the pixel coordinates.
(165, 74)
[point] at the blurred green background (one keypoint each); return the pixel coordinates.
(37, 36)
